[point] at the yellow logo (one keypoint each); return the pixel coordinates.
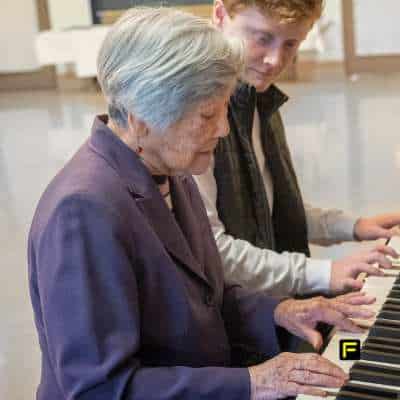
(350, 349)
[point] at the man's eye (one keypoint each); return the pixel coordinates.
(265, 40)
(290, 45)
(207, 116)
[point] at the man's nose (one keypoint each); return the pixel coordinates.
(274, 57)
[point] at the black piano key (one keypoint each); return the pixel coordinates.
(372, 373)
(390, 300)
(387, 306)
(384, 341)
(382, 328)
(389, 314)
(370, 354)
(355, 391)
(387, 322)
(394, 294)
(388, 347)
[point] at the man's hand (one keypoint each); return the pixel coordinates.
(345, 271)
(291, 374)
(378, 227)
(300, 317)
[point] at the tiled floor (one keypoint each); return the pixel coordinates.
(345, 140)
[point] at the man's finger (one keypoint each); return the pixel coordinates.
(370, 269)
(352, 284)
(387, 250)
(378, 258)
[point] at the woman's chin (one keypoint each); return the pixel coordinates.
(201, 163)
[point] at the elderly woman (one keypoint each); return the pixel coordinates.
(125, 277)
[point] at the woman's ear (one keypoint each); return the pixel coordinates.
(137, 126)
(137, 131)
(219, 14)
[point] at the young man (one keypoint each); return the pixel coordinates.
(260, 223)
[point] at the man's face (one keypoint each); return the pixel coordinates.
(270, 44)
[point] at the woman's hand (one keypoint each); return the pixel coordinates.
(300, 317)
(290, 374)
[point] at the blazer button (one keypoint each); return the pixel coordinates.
(209, 300)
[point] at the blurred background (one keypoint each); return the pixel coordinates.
(342, 126)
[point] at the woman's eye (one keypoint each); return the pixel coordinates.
(207, 116)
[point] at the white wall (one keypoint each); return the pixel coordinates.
(18, 27)
(377, 28)
(69, 13)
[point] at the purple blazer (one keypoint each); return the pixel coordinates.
(128, 297)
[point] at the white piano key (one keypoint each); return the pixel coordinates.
(395, 243)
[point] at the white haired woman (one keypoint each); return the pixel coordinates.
(125, 277)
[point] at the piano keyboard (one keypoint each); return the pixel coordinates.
(377, 375)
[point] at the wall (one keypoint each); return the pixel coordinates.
(18, 27)
(377, 28)
(69, 13)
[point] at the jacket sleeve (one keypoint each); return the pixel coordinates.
(91, 319)
(329, 226)
(250, 324)
(261, 269)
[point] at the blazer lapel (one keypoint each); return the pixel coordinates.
(187, 220)
(170, 233)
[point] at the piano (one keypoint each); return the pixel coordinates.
(376, 376)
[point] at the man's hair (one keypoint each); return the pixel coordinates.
(287, 11)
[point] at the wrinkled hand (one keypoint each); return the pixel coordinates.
(378, 227)
(345, 271)
(300, 317)
(290, 374)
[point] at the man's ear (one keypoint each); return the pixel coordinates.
(219, 14)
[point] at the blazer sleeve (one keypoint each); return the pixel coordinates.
(249, 320)
(91, 320)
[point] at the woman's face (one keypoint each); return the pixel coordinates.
(188, 145)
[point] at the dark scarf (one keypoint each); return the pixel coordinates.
(242, 201)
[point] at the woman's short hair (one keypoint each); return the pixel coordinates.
(158, 63)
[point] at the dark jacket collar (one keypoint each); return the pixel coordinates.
(121, 158)
(269, 101)
(140, 184)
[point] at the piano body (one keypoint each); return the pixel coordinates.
(377, 375)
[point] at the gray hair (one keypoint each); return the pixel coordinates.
(158, 63)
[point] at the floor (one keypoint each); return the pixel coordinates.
(345, 141)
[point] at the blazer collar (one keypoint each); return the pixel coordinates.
(121, 158)
(176, 238)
